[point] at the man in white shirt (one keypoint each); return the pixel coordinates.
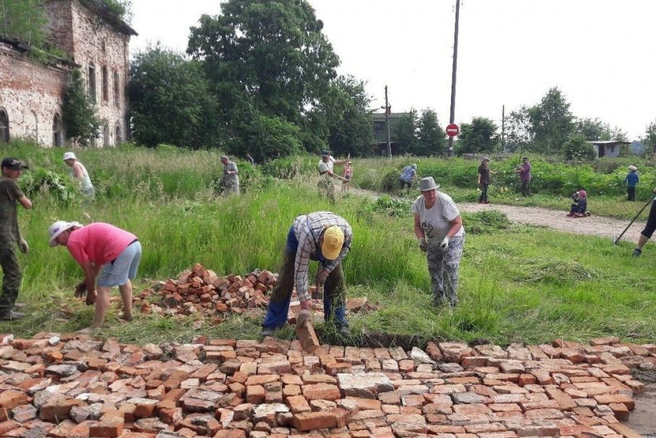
(327, 175)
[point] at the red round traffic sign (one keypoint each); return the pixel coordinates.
(452, 130)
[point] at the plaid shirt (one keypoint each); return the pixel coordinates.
(308, 230)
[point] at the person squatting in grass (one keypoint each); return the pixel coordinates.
(579, 204)
(109, 257)
(10, 196)
(631, 180)
(438, 226)
(326, 174)
(81, 176)
(649, 229)
(320, 236)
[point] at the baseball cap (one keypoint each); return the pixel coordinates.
(13, 164)
(333, 240)
(325, 153)
(69, 156)
(486, 159)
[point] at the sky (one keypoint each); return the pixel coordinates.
(599, 53)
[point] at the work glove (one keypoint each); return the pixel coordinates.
(304, 317)
(445, 243)
(81, 289)
(23, 246)
(423, 245)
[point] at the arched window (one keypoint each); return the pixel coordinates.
(105, 134)
(4, 125)
(105, 84)
(92, 82)
(118, 138)
(117, 90)
(57, 131)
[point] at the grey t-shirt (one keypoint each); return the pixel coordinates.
(436, 221)
(230, 179)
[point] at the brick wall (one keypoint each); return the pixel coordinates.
(31, 94)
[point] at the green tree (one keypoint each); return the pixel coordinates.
(348, 118)
(577, 148)
(266, 58)
(170, 101)
(593, 129)
(24, 20)
(405, 133)
(478, 136)
(431, 139)
(78, 112)
(122, 9)
(518, 130)
(551, 121)
(649, 138)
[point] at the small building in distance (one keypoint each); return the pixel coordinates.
(94, 40)
(608, 148)
(380, 131)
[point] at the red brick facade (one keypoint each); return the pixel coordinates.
(31, 93)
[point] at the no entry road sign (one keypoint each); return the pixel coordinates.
(452, 130)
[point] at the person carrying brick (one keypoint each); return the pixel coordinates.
(109, 257)
(10, 196)
(324, 237)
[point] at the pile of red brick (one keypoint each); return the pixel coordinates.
(202, 290)
(75, 386)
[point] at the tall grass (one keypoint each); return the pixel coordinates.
(517, 283)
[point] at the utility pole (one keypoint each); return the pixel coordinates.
(387, 124)
(452, 114)
(503, 128)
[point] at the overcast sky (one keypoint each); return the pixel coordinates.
(510, 52)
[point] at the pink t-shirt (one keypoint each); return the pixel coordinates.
(98, 242)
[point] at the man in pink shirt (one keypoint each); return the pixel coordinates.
(109, 256)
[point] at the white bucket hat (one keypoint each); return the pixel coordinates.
(69, 156)
(59, 227)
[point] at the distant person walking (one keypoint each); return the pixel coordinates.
(631, 181)
(484, 179)
(230, 181)
(250, 159)
(524, 172)
(408, 176)
(81, 176)
(10, 196)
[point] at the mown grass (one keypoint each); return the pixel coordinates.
(517, 283)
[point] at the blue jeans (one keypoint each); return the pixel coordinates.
(334, 290)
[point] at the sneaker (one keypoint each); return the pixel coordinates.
(570, 215)
(12, 316)
(637, 252)
(486, 202)
(267, 331)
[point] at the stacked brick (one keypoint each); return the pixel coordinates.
(200, 290)
(75, 386)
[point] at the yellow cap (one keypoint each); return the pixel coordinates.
(333, 240)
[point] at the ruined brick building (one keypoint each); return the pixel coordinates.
(31, 92)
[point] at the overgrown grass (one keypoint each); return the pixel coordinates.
(517, 283)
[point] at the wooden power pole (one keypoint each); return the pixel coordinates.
(452, 114)
(387, 124)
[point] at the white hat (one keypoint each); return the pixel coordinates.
(69, 156)
(59, 227)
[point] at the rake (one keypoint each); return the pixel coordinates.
(617, 239)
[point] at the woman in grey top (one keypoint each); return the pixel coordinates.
(438, 226)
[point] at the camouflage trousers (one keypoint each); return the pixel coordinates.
(11, 275)
(327, 188)
(443, 267)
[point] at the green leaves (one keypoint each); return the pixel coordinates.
(78, 112)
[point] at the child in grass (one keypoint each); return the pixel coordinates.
(348, 174)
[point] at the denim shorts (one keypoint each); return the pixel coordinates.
(122, 268)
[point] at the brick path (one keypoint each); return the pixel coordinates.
(75, 386)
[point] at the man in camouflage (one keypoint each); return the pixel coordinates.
(10, 196)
